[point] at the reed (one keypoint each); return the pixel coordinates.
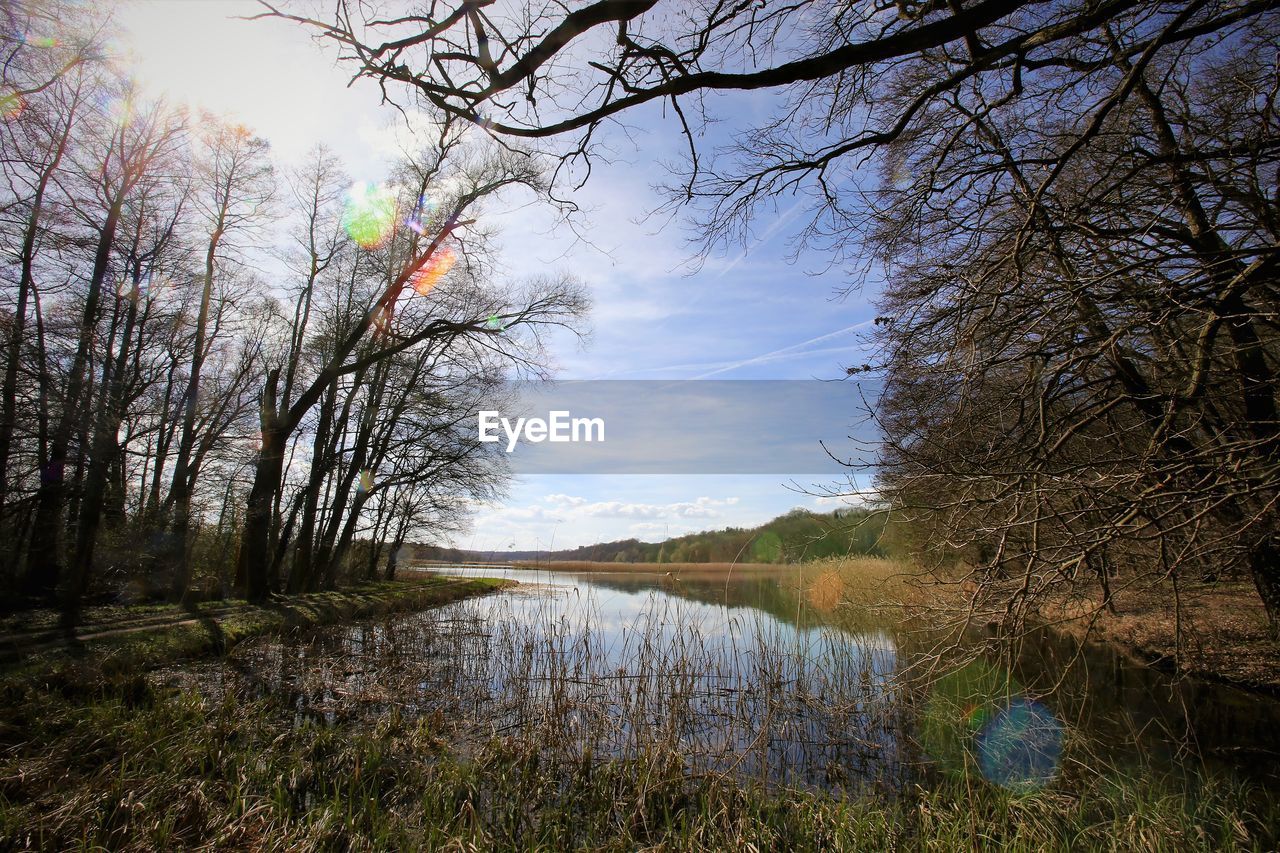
(526, 722)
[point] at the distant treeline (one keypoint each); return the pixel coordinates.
(798, 535)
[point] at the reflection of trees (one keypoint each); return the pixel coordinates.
(1113, 705)
(778, 595)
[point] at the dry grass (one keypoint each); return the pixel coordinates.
(862, 582)
(536, 735)
(126, 638)
(1216, 631)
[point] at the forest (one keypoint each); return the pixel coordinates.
(795, 537)
(257, 425)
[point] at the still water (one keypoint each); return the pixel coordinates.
(740, 673)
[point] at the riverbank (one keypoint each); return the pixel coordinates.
(486, 727)
(132, 638)
(134, 766)
(1217, 631)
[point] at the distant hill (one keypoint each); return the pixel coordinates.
(791, 538)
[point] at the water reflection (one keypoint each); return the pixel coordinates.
(727, 674)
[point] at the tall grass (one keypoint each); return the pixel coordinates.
(134, 769)
(530, 722)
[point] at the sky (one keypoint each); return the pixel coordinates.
(746, 313)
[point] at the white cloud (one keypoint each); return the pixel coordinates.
(536, 514)
(652, 531)
(703, 507)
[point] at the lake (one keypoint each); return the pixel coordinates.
(742, 674)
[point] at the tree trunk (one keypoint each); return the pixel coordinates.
(1264, 563)
(303, 571)
(184, 474)
(255, 544)
(105, 442)
(26, 278)
(44, 563)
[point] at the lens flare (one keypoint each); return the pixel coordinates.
(1021, 747)
(420, 218)
(369, 214)
(429, 274)
(493, 323)
(961, 703)
(366, 482)
(11, 104)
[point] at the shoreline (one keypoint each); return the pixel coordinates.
(1218, 632)
(127, 638)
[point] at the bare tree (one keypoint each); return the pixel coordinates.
(1075, 211)
(134, 140)
(235, 182)
(369, 331)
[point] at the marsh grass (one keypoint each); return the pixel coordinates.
(138, 768)
(527, 722)
(133, 638)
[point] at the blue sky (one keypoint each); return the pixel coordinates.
(745, 313)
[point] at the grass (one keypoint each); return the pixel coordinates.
(593, 566)
(139, 637)
(522, 723)
(135, 768)
(1215, 630)
(857, 582)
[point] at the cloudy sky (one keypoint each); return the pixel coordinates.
(746, 313)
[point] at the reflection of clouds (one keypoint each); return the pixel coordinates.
(614, 615)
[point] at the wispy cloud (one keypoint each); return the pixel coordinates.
(786, 351)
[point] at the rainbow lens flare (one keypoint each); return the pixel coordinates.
(962, 702)
(366, 481)
(11, 104)
(429, 274)
(493, 323)
(1021, 746)
(369, 214)
(423, 212)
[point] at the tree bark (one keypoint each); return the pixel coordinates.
(183, 472)
(44, 561)
(1264, 562)
(26, 278)
(255, 544)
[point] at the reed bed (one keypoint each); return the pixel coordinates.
(532, 721)
(746, 697)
